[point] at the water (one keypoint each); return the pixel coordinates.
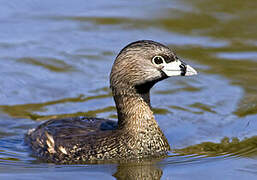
(56, 57)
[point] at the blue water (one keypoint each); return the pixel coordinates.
(55, 60)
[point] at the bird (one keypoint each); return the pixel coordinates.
(136, 134)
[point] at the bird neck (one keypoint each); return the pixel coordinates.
(134, 110)
(136, 120)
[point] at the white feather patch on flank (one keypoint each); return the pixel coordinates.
(50, 138)
(39, 142)
(50, 147)
(63, 150)
(31, 131)
(50, 143)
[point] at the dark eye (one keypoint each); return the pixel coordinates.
(157, 60)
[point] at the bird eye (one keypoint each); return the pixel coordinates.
(158, 60)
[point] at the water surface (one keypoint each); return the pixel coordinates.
(55, 60)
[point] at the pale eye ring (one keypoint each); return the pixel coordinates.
(157, 60)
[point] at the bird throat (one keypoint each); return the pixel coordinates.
(134, 109)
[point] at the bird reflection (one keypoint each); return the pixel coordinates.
(140, 171)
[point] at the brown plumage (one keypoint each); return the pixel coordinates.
(136, 135)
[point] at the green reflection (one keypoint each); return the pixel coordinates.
(229, 21)
(203, 107)
(92, 113)
(240, 72)
(9, 159)
(184, 109)
(26, 110)
(235, 147)
(160, 111)
(52, 64)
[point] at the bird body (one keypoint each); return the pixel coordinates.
(136, 135)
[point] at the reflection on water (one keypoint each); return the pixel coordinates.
(55, 59)
(51, 64)
(233, 147)
(138, 171)
(26, 110)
